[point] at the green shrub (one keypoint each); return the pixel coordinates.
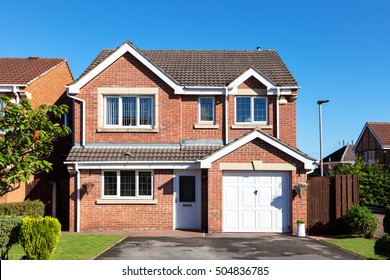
(386, 220)
(382, 246)
(30, 208)
(39, 237)
(9, 234)
(361, 221)
(374, 181)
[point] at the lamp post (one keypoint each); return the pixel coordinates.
(320, 102)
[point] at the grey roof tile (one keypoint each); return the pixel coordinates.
(212, 67)
(186, 153)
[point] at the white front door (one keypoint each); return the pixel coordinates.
(256, 202)
(187, 199)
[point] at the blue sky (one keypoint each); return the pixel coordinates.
(337, 50)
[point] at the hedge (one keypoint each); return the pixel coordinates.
(9, 233)
(30, 208)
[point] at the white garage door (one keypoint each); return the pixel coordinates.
(256, 201)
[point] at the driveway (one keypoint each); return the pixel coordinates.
(225, 247)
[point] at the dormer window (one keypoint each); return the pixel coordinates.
(251, 109)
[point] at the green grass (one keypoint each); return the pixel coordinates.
(360, 246)
(75, 246)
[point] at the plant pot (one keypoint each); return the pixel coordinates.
(301, 230)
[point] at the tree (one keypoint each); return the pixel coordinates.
(27, 138)
(374, 181)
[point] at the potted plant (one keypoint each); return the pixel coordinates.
(301, 228)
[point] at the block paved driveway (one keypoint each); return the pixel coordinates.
(224, 247)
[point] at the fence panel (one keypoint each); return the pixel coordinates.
(328, 199)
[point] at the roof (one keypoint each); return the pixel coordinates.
(254, 134)
(344, 154)
(186, 153)
(381, 131)
(25, 70)
(211, 68)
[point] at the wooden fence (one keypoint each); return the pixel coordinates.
(328, 199)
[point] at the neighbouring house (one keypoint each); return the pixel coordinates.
(186, 139)
(373, 144)
(42, 81)
(344, 155)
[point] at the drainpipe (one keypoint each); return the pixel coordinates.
(83, 116)
(277, 112)
(76, 169)
(226, 117)
(15, 92)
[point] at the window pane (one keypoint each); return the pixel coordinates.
(110, 183)
(243, 109)
(112, 111)
(187, 189)
(129, 111)
(144, 183)
(260, 109)
(206, 109)
(127, 183)
(145, 105)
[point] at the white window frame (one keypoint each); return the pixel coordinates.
(200, 110)
(120, 112)
(252, 109)
(118, 185)
(369, 157)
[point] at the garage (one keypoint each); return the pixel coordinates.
(255, 201)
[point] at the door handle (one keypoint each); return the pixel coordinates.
(255, 192)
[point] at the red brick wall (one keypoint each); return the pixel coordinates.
(177, 113)
(255, 150)
(50, 87)
(122, 217)
(129, 72)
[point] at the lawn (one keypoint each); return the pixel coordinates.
(75, 246)
(360, 246)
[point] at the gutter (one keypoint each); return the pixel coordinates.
(76, 169)
(15, 92)
(226, 117)
(277, 112)
(83, 115)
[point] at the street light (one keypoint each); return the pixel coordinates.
(320, 102)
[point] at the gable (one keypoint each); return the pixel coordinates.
(200, 72)
(373, 132)
(254, 135)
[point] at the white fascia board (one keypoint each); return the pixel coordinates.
(359, 138)
(204, 91)
(246, 75)
(10, 87)
(135, 165)
(75, 88)
(206, 163)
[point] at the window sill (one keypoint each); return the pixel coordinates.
(123, 129)
(251, 126)
(206, 126)
(125, 201)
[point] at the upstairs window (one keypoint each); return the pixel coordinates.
(251, 109)
(129, 111)
(206, 110)
(369, 157)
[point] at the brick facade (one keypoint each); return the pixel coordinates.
(177, 117)
(368, 142)
(49, 89)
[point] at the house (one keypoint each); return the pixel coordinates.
(344, 155)
(42, 81)
(373, 144)
(182, 139)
